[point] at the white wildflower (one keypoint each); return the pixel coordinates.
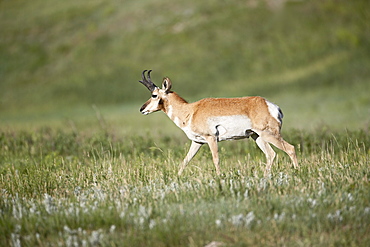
(69, 231)
(237, 220)
(99, 193)
(249, 219)
(263, 184)
(322, 189)
(96, 237)
(350, 197)
(246, 194)
(145, 212)
(280, 217)
(17, 210)
(218, 223)
(84, 243)
(335, 216)
(367, 210)
(231, 185)
(141, 221)
(49, 204)
(152, 224)
(112, 228)
(77, 191)
(282, 179)
(71, 241)
(313, 202)
(15, 237)
(241, 220)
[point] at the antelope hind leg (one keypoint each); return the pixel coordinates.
(281, 144)
(268, 151)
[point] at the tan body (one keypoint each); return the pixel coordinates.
(212, 120)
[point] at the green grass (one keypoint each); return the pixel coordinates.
(310, 57)
(65, 188)
(79, 165)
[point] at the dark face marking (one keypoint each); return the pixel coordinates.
(144, 106)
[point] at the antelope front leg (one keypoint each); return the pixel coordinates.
(194, 148)
(212, 143)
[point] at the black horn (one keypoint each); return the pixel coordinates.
(147, 82)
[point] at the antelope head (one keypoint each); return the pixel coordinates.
(159, 95)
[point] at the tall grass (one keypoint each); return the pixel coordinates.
(60, 188)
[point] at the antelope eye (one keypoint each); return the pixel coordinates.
(154, 96)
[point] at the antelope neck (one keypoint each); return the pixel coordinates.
(177, 109)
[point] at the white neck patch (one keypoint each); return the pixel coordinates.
(170, 111)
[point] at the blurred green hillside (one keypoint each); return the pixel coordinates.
(58, 58)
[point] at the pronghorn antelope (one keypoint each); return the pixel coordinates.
(212, 120)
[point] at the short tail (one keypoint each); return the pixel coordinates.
(280, 116)
(275, 111)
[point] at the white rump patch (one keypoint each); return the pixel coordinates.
(275, 111)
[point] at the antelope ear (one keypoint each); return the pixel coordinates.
(166, 84)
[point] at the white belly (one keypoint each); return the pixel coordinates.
(230, 127)
(223, 127)
(193, 136)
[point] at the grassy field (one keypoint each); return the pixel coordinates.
(79, 165)
(75, 189)
(310, 57)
